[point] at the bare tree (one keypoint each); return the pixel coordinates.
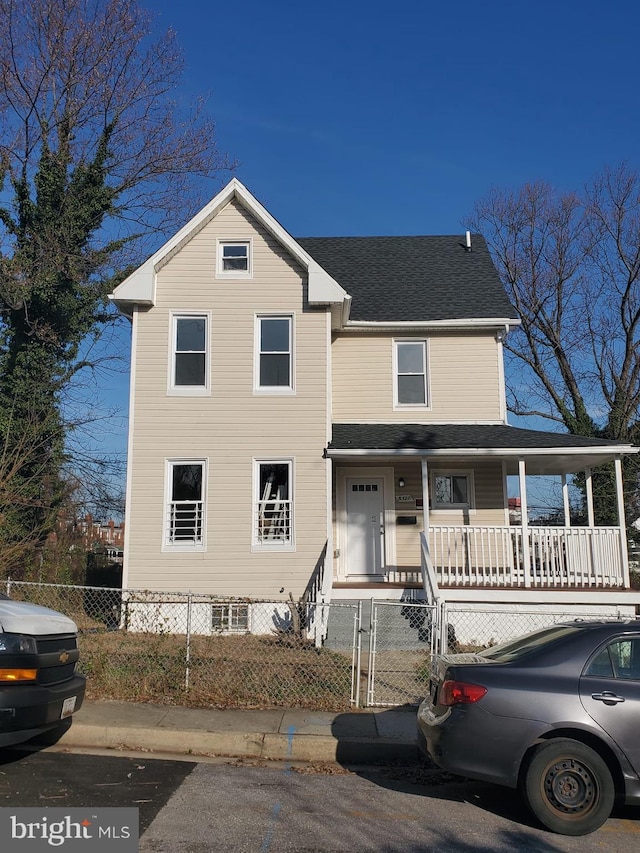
(96, 157)
(571, 266)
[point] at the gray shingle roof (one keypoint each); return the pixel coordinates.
(455, 436)
(413, 278)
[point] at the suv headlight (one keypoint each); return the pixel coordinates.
(15, 644)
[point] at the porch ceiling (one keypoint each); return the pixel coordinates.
(544, 452)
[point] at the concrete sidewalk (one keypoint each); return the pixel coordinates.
(358, 737)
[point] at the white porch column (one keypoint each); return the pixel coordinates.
(425, 498)
(589, 490)
(329, 559)
(565, 501)
(526, 551)
(624, 556)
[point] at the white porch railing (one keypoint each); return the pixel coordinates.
(556, 556)
(487, 556)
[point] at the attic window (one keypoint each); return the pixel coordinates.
(234, 259)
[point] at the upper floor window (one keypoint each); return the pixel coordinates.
(184, 519)
(274, 353)
(189, 359)
(410, 361)
(452, 490)
(234, 259)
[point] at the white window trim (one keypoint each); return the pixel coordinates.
(188, 390)
(237, 274)
(185, 547)
(427, 383)
(453, 472)
(274, 389)
(276, 545)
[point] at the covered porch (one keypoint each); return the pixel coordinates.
(442, 497)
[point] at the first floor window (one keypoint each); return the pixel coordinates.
(189, 352)
(273, 510)
(411, 373)
(274, 353)
(451, 490)
(185, 506)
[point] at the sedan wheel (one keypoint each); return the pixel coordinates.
(569, 787)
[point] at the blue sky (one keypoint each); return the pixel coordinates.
(353, 118)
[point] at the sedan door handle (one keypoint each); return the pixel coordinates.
(608, 698)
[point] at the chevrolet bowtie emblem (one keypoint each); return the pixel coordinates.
(64, 657)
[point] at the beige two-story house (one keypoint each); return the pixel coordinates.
(326, 417)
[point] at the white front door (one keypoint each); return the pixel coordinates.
(365, 526)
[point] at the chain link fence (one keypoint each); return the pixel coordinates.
(475, 628)
(209, 651)
(202, 650)
(402, 639)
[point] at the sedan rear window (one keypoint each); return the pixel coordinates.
(530, 642)
(620, 659)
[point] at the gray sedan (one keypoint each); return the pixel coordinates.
(555, 713)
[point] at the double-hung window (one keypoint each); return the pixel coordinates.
(234, 259)
(410, 363)
(189, 354)
(274, 353)
(273, 509)
(185, 507)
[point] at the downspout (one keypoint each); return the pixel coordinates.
(501, 334)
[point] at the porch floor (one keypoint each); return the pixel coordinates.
(442, 586)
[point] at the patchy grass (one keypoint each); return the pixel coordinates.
(243, 671)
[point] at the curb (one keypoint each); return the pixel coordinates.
(259, 745)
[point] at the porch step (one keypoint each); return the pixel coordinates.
(399, 627)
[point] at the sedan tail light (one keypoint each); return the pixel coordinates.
(460, 693)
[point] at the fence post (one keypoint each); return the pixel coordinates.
(373, 631)
(357, 657)
(444, 627)
(9, 587)
(188, 648)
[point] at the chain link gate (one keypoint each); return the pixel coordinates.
(403, 637)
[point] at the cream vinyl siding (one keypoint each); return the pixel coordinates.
(462, 375)
(231, 426)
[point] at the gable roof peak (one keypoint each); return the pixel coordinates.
(139, 287)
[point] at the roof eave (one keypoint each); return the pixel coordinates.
(139, 287)
(608, 453)
(459, 323)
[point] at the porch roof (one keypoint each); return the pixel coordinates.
(545, 452)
